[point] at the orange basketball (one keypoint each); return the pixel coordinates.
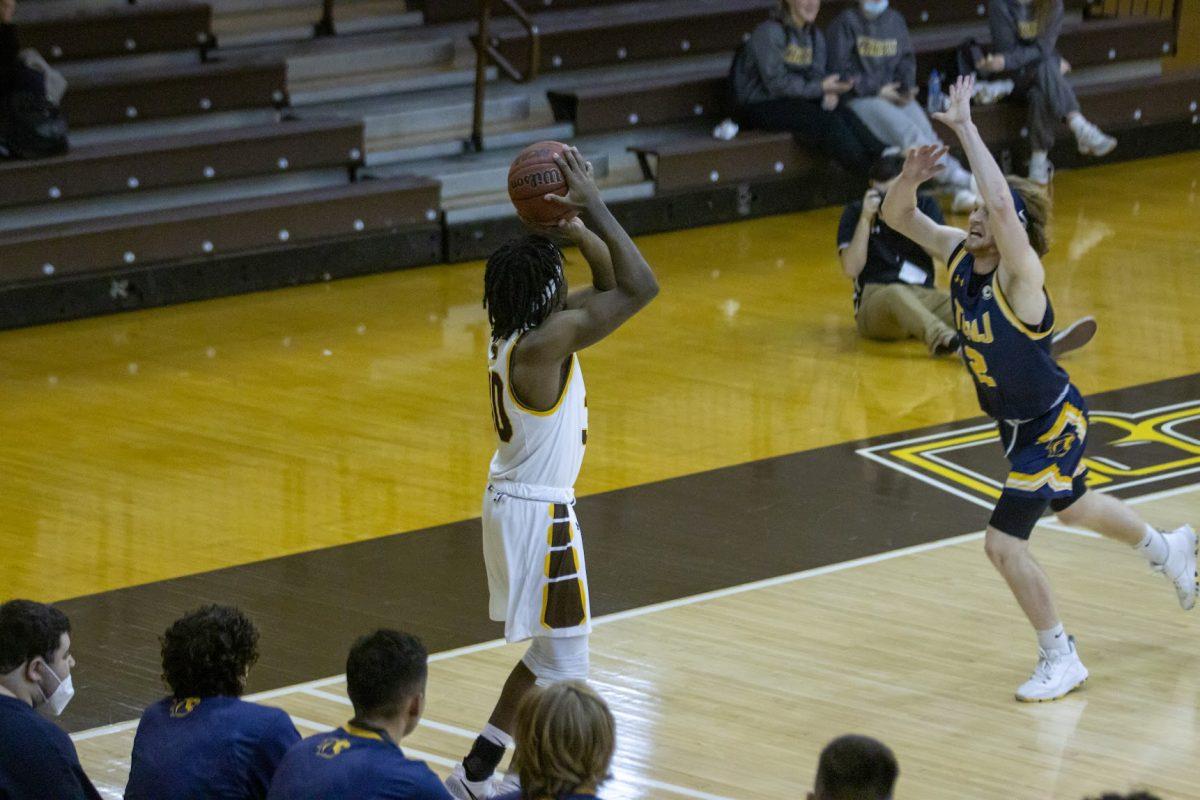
(533, 175)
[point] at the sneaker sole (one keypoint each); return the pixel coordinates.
(1052, 699)
(1098, 152)
(1074, 337)
(1195, 574)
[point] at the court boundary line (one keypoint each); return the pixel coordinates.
(314, 686)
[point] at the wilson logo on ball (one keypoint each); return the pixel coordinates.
(536, 180)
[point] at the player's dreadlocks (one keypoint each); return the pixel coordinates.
(520, 285)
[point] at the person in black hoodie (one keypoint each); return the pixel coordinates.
(781, 83)
(9, 48)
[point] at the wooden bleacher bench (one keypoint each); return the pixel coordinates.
(437, 11)
(174, 91)
(124, 166)
(697, 161)
(619, 106)
(612, 34)
(55, 251)
(115, 30)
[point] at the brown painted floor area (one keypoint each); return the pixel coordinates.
(646, 544)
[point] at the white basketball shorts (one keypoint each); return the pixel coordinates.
(533, 551)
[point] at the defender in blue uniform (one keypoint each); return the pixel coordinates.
(1004, 318)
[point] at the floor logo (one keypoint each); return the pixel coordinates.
(1123, 451)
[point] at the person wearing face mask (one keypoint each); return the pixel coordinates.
(870, 47)
(203, 742)
(37, 758)
(385, 680)
(781, 82)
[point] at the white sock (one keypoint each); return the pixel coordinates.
(1054, 640)
(496, 736)
(1037, 157)
(1078, 124)
(1153, 547)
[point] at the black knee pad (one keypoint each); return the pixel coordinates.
(1078, 489)
(1016, 515)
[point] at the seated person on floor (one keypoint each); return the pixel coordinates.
(566, 737)
(37, 758)
(202, 741)
(894, 293)
(385, 679)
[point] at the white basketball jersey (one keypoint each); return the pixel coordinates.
(542, 448)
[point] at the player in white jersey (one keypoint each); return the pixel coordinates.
(532, 544)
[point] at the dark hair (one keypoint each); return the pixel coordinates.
(29, 630)
(886, 168)
(856, 767)
(521, 283)
(206, 652)
(1130, 796)
(383, 669)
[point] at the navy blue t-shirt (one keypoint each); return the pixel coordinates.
(353, 762)
(38, 758)
(887, 250)
(218, 748)
(517, 796)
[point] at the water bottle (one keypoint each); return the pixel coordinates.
(933, 93)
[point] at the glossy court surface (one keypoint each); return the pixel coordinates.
(317, 455)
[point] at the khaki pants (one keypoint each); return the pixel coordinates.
(891, 311)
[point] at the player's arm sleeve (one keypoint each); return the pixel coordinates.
(846, 226)
(277, 739)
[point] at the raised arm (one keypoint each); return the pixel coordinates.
(1021, 274)
(900, 210)
(601, 312)
(854, 232)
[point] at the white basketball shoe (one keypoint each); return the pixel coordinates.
(1056, 676)
(1180, 566)
(462, 789)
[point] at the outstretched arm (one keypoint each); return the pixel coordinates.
(599, 313)
(1021, 274)
(900, 210)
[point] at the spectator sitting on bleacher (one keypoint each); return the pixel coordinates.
(855, 767)
(565, 737)
(869, 45)
(780, 82)
(385, 679)
(203, 741)
(1024, 37)
(37, 758)
(31, 125)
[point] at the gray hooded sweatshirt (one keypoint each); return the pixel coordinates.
(780, 60)
(1017, 35)
(875, 51)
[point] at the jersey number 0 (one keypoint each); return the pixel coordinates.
(499, 416)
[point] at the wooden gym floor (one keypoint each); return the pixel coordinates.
(782, 519)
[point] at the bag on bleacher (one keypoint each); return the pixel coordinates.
(31, 126)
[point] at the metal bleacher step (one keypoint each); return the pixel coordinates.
(240, 23)
(176, 197)
(99, 134)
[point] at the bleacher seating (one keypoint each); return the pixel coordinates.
(110, 243)
(108, 98)
(696, 161)
(88, 32)
(127, 165)
(614, 106)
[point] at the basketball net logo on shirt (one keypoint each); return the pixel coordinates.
(1125, 450)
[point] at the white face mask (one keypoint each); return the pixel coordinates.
(57, 700)
(873, 8)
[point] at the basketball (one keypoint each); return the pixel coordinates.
(533, 175)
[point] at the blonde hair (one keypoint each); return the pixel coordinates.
(565, 740)
(1037, 211)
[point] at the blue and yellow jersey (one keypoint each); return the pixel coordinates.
(1015, 376)
(210, 748)
(353, 762)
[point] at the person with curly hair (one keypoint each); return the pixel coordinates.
(203, 741)
(566, 737)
